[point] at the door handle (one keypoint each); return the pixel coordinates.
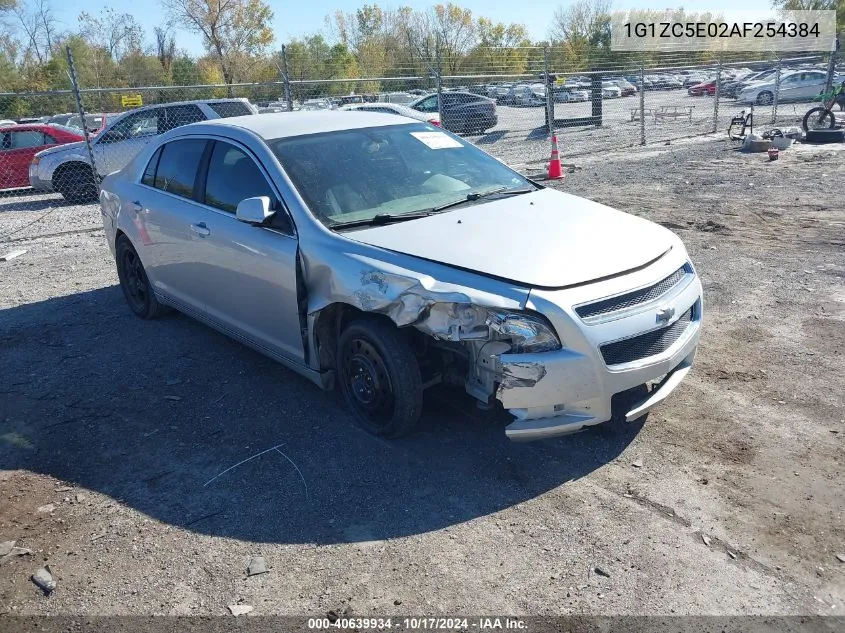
(136, 206)
(201, 229)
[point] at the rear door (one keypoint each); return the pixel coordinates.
(812, 84)
(169, 224)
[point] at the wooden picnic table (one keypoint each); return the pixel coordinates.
(673, 112)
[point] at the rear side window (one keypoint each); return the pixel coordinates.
(30, 138)
(177, 116)
(177, 166)
(150, 171)
(225, 109)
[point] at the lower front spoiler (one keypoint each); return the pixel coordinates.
(525, 430)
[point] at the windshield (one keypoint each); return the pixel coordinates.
(354, 175)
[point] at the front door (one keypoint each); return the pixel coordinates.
(246, 275)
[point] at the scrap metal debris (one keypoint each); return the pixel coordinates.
(257, 566)
(11, 255)
(240, 609)
(43, 578)
(9, 551)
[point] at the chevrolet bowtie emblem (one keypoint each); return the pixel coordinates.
(664, 314)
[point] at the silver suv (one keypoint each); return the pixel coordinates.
(67, 169)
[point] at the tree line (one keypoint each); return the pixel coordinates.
(111, 49)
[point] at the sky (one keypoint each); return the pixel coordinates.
(308, 17)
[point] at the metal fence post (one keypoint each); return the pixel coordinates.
(777, 93)
(716, 95)
(438, 77)
(831, 67)
(286, 80)
(642, 103)
(550, 103)
(74, 80)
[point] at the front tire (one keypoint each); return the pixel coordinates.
(819, 118)
(134, 282)
(380, 378)
(76, 183)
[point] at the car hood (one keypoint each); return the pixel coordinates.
(66, 147)
(546, 239)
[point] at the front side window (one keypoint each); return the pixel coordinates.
(391, 170)
(233, 176)
(178, 165)
(428, 104)
(134, 125)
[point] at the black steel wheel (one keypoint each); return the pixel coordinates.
(379, 377)
(134, 283)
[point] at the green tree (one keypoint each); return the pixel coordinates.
(232, 30)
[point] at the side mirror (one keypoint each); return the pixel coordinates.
(254, 210)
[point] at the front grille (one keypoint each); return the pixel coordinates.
(636, 297)
(645, 345)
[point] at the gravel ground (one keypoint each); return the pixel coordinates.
(728, 500)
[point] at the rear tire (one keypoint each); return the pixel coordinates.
(380, 378)
(765, 98)
(76, 183)
(134, 282)
(819, 118)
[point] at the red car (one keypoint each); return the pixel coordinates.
(706, 88)
(19, 143)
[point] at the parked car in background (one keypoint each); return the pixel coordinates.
(67, 169)
(20, 143)
(610, 90)
(28, 120)
(7, 122)
(395, 108)
(60, 119)
(533, 95)
(704, 88)
(565, 94)
(644, 84)
(422, 261)
(316, 104)
(402, 98)
(502, 93)
(461, 111)
(628, 89)
(794, 86)
(94, 122)
(733, 88)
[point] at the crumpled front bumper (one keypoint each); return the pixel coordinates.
(561, 392)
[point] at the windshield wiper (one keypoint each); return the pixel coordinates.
(381, 219)
(477, 195)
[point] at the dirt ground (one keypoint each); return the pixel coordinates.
(728, 500)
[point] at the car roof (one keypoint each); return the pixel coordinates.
(286, 124)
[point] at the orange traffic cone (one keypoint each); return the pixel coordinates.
(555, 168)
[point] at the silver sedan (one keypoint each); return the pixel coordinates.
(384, 255)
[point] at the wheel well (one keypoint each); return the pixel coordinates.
(67, 167)
(333, 319)
(118, 234)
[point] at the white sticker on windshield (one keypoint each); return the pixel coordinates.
(436, 140)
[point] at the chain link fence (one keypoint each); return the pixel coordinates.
(506, 101)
